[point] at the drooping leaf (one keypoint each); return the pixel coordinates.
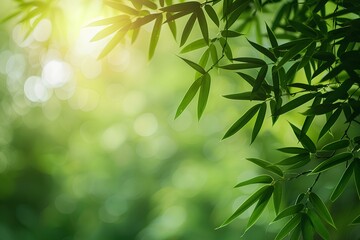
(318, 225)
(242, 121)
(296, 103)
(171, 24)
(333, 146)
(187, 29)
(144, 20)
(295, 159)
(195, 66)
(170, 17)
(334, 160)
(110, 20)
(246, 204)
(304, 29)
(308, 55)
(289, 211)
(120, 34)
(260, 206)
(272, 37)
(321, 209)
(230, 34)
(188, 96)
(212, 14)
(226, 48)
(276, 83)
(239, 66)
(330, 122)
(213, 54)
(343, 182)
(290, 225)
(204, 93)
(321, 109)
(259, 96)
(197, 44)
(356, 220)
(260, 79)
(263, 50)
(307, 229)
(106, 32)
(293, 150)
(203, 25)
(155, 35)
(259, 121)
(296, 49)
(357, 175)
(304, 140)
(255, 180)
(266, 165)
(340, 92)
(121, 7)
(277, 196)
(181, 7)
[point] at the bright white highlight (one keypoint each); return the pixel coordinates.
(56, 74)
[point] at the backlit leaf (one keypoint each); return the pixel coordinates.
(289, 211)
(260, 206)
(334, 160)
(203, 24)
(180, 7)
(197, 44)
(259, 121)
(290, 225)
(212, 14)
(188, 96)
(343, 182)
(195, 66)
(330, 122)
(230, 34)
(342, 143)
(204, 93)
(320, 208)
(155, 35)
(266, 165)
(171, 24)
(120, 34)
(187, 29)
(255, 180)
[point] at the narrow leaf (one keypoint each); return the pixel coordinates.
(180, 7)
(263, 50)
(230, 34)
(187, 29)
(356, 220)
(255, 180)
(277, 196)
(120, 34)
(239, 66)
(195, 66)
(334, 160)
(203, 24)
(333, 146)
(339, 189)
(320, 208)
(330, 122)
(318, 225)
(293, 150)
(259, 121)
(295, 159)
(242, 121)
(259, 96)
(290, 225)
(307, 229)
(299, 47)
(294, 209)
(155, 35)
(357, 175)
(204, 93)
(188, 96)
(171, 24)
(212, 14)
(266, 165)
(296, 103)
(197, 44)
(304, 140)
(260, 206)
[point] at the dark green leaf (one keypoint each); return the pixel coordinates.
(340, 92)
(272, 37)
(187, 29)
(296, 103)
(294, 209)
(333, 146)
(320, 5)
(356, 220)
(266, 165)
(318, 225)
(343, 182)
(250, 60)
(239, 66)
(260, 206)
(226, 48)
(304, 29)
(260, 79)
(336, 159)
(155, 35)
(307, 229)
(248, 203)
(242, 121)
(304, 140)
(170, 17)
(213, 54)
(204, 93)
(263, 50)
(290, 225)
(259, 96)
(144, 20)
(330, 122)
(180, 7)
(308, 55)
(293, 150)
(203, 24)
(306, 86)
(258, 179)
(171, 24)
(212, 14)
(195, 66)
(322, 109)
(230, 34)
(357, 175)
(295, 159)
(188, 96)
(200, 43)
(277, 196)
(276, 83)
(259, 121)
(296, 49)
(320, 208)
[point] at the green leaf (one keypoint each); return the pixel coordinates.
(144, 20)
(195, 66)
(110, 20)
(226, 48)
(321, 109)
(242, 121)
(333, 146)
(260, 79)
(213, 54)
(307, 229)
(357, 175)
(293, 150)
(255, 180)
(263, 50)
(343, 182)
(248, 203)
(304, 29)
(266, 165)
(290, 225)
(250, 60)
(187, 29)
(120, 34)
(330, 122)
(197, 44)
(320, 208)
(308, 55)
(272, 37)
(306, 86)
(189, 96)
(296, 49)
(204, 93)
(170, 17)
(121, 7)
(334, 160)
(203, 24)
(356, 220)
(296, 103)
(239, 66)
(259, 121)
(260, 206)
(171, 24)
(259, 96)
(294, 209)
(276, 83)
(180, 7)
(318, 225)
(106, 32)
(155, 35)
(212, 14)
(295, 159)
(277, 196)
(304, 140)
(230, 34)
(340, 92)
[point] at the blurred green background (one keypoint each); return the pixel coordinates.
(90, 149)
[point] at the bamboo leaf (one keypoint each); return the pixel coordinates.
(171, 24)
(295, 159)
(296, 103)
(290, 225)
(106, 32)
(195, 66)
(293, 150)
(333, 146)
(242, 121)
(180, 7)
(110, 20)
(203, 25)
(187, 29)
(260, 79)
(357, 175)
(356, 220)
(304, 140)
(266, 165)
(250, 60)
(204, 93)
(197, 44)
(258, 96)
(239, 66)
(289, 211)
(248, 203)
(121, 7)
(263, 50)
(330, 122)
(339, 189)
(277, 196)
(230, 34)
(296, 49)
(320, 208)
(307, 229)
(188, 96)
(144, 20)
(256, 180)
(259, 121)
(155, 35)
(212, 14)
(120, 34)
(318, 225)
(334, 160)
